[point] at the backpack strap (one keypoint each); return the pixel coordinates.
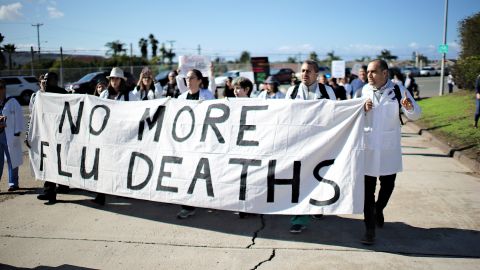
(294, 92)
(398, 96)
(323, 91)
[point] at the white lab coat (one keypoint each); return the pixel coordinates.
(131, 96)
(205, 94)
(383, 153)
(303, 92)
(15, 124)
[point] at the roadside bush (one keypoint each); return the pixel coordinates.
(465, 72)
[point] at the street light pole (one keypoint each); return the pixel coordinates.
(444, 55)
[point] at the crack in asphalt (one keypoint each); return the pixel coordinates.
(433, 255)
(255, 234)
(267, 260)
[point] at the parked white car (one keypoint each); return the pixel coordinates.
(220, 80)
(21, 87)
(428, 71)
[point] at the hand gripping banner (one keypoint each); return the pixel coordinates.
(249, 155)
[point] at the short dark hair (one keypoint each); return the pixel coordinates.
(243, 83)
(312, 63)
(382, 63)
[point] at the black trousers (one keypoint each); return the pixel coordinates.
(387, 184)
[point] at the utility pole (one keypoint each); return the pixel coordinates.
(444, 55)
(131, 56)
(61, 66)
(38, 37)
(199, 49)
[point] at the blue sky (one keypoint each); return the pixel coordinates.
(274, 28)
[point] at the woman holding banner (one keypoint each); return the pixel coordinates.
(194, 92)
(117, 87)
(145, 88)
(116, 90)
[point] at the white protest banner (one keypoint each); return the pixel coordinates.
(250, 155)
(338, 69)
(200, 62)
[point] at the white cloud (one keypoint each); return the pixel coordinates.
(10, 12)
(296, 48)
(413, 45)
(54, 13)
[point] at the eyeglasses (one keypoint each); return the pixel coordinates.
(190, 78)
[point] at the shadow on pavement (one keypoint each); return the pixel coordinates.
(64, 266)
(335, 231)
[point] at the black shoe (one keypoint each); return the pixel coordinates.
(297, 228)
(99, 199)
(51, 201)
(12, 188)
(319, 216)
(368, 238)
(44, 197)
(379, 219)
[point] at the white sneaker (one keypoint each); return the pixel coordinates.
(184, 213)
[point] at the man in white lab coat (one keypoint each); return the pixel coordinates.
(12, 125)
(383, 154)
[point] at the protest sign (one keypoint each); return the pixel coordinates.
(338, 69)
(188, 62)
(258, 156)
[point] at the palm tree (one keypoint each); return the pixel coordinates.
(313, 56)
(163, 53)
(244, 57)
(386, 55)
(332, 57)
(115, 47)
(143, 44)
(9, 48)
(154, 43)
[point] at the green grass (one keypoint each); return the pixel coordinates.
(451, 118)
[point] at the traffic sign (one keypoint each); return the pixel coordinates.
(443, 48)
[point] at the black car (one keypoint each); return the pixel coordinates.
(283, 75)
(86, 85)
(162, 77)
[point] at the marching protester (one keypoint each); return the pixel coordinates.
(242, 87)
(308, 89)
(339, 90)
(271, 90)
(322, 79)
(116, 90)
(359, 82)
(49, 188)
(450, 83)
(11, 125)
(194, 81)
(228, 91)
(171, 88)
(100, 87)
(145, 89)
(117, 87)
(207, 83)
(383, 155)
(412, 86)
(345, 82)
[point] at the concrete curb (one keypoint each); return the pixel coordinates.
(472, 164)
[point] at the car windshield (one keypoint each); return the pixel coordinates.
(87, 77)
(274, 71)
